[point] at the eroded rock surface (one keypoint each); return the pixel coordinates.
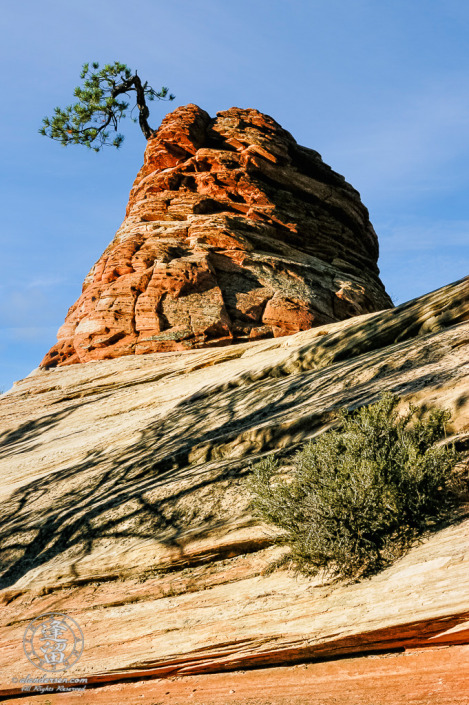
(123, 503)
(233, 232)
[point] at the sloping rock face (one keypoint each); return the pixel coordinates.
(233, 232)
(123, 504)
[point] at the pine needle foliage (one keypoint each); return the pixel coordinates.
(99, 107)
(360, 495)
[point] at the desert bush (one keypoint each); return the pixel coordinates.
(361, 494)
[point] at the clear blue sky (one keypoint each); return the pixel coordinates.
(379, 87)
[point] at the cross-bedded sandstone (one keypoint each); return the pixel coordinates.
(233, 232)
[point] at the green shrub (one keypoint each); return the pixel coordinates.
(359, 496)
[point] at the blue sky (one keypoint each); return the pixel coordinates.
(379, 87)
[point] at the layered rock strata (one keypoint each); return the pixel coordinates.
(233, 232)
(124, 504)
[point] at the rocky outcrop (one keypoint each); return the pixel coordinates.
(123, 504)
(233, 232)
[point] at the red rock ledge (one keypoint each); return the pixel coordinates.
(233, 231)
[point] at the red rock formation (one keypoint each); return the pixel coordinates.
(233, 232)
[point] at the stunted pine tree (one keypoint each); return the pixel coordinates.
(99, 108)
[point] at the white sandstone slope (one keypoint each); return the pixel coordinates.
(124, 502)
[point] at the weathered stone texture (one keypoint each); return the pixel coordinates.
(233, 232)
(124, 504)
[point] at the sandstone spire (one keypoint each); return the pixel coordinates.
(233, 232)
